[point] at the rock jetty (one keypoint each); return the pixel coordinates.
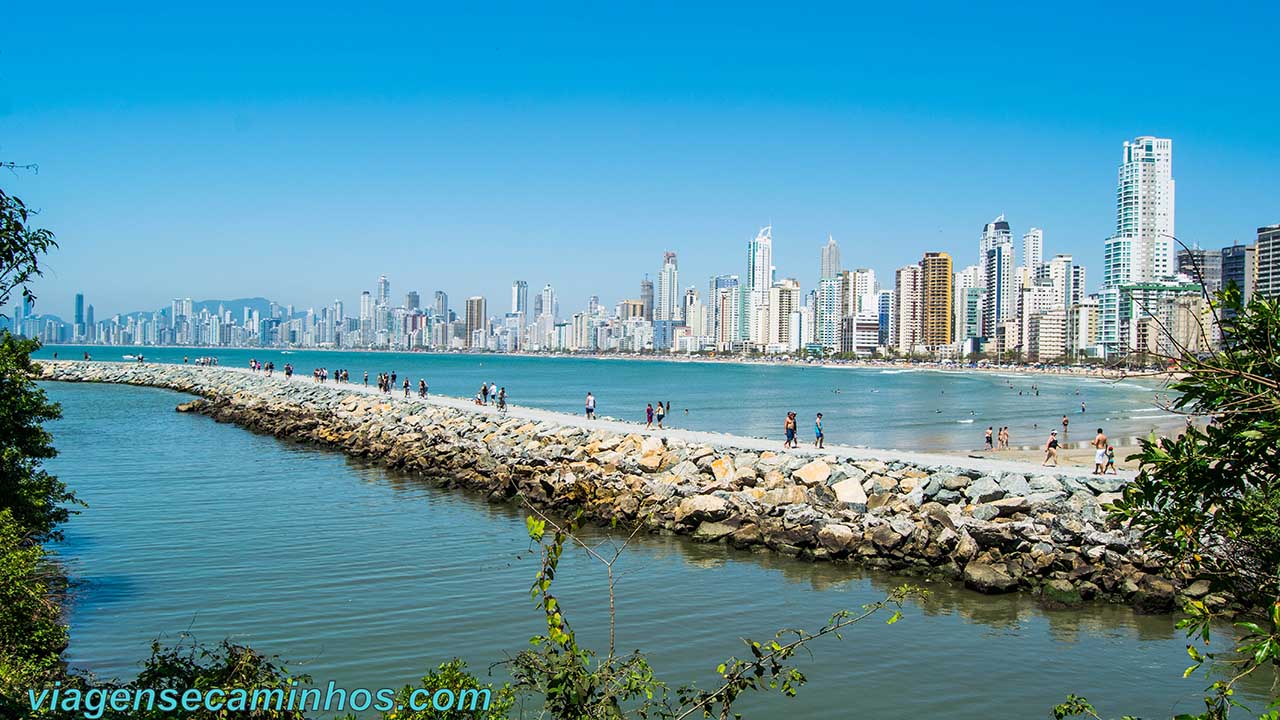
(996, 532)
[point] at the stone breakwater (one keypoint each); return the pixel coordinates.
(997, 532)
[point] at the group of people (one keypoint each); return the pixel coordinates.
(491, 392)
(652, 413)
(997, 439)
(1104, 453)
(204, 361)
(256, 366)
(790, 430)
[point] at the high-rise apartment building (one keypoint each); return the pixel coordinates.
(759, 280)
(1033, 250)
(784, 301)
(969, 291)
(998, 273)
(888, 316)
(520, 297)
(830, 259)
(1240, 268)
(1142, 247)
(384, 291)
(646, 297)
(829, 309)
(1268, 261)
(412, 301)
(477, 322)
(667, 307)
(936, 299)
(907, 302)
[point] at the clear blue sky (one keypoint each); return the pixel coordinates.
(298, 151)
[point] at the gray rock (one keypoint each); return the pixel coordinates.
(1014, 484)
(986, 511)
(984, 489)
(1106, 483)
(988, 578)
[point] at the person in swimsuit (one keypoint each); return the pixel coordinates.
(1111, 461)
(1051, 449)
(817, 431)
(987, 437)
(648, 415)
(1099, 452)
(789, 427)
(591, 406)
(660, 413)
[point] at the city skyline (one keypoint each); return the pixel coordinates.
(443, 152)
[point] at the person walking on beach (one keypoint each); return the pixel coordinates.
(493, 391)
(502, 399)
(1002, 438)
(1065, 423)
(648, 416)
(484, 394)
(591, 406)
(659, 413)
(422, 388)
(406, 387)
(366, 378)
(817, 431)
(987, 437)
(1099, 452)
(1051, 449)
(789, 428)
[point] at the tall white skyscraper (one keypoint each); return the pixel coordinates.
(384, 291)
(830, 309)
(907, 305)
(1033, 250)
(667, 303)
(520, 297)
(994, 233)
(998, 274)
(830, 259)
(759, 280)
(1140, 249)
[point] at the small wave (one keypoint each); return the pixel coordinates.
(894, 372)
(966, 422)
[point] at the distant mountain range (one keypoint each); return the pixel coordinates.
(237, 307)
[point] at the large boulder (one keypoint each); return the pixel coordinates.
(850, 493)
(813, 473)
(989, 578)
(701, 507)
(836, 537)
(983, 490)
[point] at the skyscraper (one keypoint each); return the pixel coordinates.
(477, 322)
(997, 273)
(907, 308)
(441, 306)
(78, 328)
(668, 307)
(384, 291)
(830, 259)
(935, 299)
(412, 301)
(1141, 249)
(1033, 250)
(759, 280)
(829, 311)
(646, 297)
(520, 297)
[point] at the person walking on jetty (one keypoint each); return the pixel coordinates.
(591, 406)
(817, 431)
(1051, 449)
(1099, 452)
(648, 416)
(659, 414)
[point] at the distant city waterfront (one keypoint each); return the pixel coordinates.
(873, 407)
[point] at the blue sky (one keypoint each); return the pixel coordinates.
(297, 151)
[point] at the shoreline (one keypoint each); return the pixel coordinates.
(997, 526)
(1103, 373)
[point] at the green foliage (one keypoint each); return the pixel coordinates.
(453, 676)
(32, 636)
(37, 500)
(20, 248)
(1210, 499)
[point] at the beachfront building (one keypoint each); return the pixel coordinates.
(759, 280)
(936, 298)
(999, 302)
(907, 305)
(1033, 250)
(830, 266)
(1202, 266)
(829, 312)
(784, 302)
(1142, 248)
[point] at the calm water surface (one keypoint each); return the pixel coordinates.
(882, 408)
(367, 578)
